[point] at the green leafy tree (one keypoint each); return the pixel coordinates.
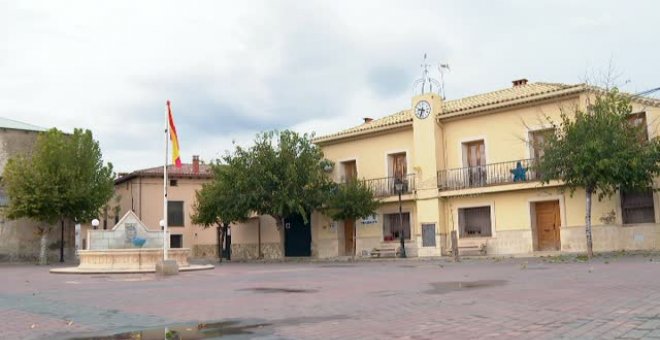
(219, 203)
(600, 151)
(64, 179)
(351, 201)
(285, 175)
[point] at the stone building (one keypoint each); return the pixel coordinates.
(18, 241)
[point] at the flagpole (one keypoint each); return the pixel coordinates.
(165, 243)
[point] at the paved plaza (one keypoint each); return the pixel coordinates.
(612, 297)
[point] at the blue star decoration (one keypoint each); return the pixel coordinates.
(519, 173)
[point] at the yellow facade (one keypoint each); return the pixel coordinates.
(432, 158)
(439, 150)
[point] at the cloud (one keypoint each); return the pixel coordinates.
(232, 69)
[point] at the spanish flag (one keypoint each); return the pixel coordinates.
(176, 159)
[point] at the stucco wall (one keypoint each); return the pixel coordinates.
(371, 153)
(506, 136)
(145, 196)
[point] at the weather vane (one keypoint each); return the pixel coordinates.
(425, 84)
(443, 68)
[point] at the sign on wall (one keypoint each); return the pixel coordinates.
(371, 219)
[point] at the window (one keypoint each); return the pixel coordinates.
(392, 228)
(474, 222)
(637, 207)
(176, 241)
(537, 141)
(638, 120)
(175, 213)
(349, 171)
(174, 182)
(4, 200)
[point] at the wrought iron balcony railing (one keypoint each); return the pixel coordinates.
(517, 171)
(383, 187)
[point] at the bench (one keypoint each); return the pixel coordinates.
(379, 252)
(472, 247)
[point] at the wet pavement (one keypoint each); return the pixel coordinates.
(610, 297)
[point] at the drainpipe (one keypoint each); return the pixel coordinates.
(259, 254)
(140, 199)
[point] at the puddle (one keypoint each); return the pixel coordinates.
(456, 286)
(407, 266)
(185, 331)
(385, 293)
(267, 290)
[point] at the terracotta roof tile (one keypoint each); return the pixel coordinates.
(478, 102)
(186, 171)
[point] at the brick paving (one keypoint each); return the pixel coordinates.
(615, 297)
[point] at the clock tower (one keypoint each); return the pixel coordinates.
(428, 159)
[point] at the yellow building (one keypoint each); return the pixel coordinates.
(457, 159)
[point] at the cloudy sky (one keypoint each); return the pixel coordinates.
(233, 68)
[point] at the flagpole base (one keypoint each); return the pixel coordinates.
(167, 268)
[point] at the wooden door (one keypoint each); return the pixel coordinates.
(476, 159)
(399, 166)
(548, 223)
(538, 140)
(349, 237)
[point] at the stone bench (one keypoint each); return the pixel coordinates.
(384, 251)
(472, 247)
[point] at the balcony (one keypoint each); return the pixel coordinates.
(518, 171)
(383, 187)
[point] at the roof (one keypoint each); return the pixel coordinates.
(6, 123)
(186, 171)
(511, 96)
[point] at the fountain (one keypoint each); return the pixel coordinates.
(129, 247)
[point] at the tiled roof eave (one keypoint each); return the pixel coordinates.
(340, 137)
(506, 104)
(133, 175)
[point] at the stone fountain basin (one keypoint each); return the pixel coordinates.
(136, 260)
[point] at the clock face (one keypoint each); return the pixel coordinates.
(422, 109)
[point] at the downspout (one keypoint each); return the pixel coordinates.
(140, 198)
(259, 254)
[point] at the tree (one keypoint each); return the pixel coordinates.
(597, 149)
(285, 175)
(64, 178)
(351, 200)
(219, 202)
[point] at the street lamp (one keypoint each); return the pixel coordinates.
(398, 185)
(162, 224)
(95, 223)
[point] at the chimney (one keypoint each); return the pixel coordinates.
(367, 119)
(195, 165)
(519, 82)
